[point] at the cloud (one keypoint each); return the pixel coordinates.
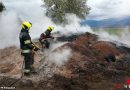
(104, 9)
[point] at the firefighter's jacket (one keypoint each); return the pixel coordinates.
(45, 35)
(25, 41)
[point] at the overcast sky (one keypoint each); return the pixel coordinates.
(100, 9)
(104, 9)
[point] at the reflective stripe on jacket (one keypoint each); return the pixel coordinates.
(25, 41)
(26, 51)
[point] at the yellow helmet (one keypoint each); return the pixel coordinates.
(27, 25)
(50, 28)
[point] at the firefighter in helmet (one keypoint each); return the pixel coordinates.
(44, 37)
(27, 47)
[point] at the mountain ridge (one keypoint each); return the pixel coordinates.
(112, 22)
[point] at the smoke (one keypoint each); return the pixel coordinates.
(107, 9)
(8, 29)
(74, 26)
(122, 36)
(60, 56)
(57, 55)
(53, 46)
(31, 10)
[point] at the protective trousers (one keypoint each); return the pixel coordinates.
(46, 43)
(29, 60)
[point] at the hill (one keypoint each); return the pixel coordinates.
(108, 23)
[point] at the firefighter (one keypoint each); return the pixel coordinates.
(44, 36)
(27, 47)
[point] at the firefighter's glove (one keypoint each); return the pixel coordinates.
(36, 49)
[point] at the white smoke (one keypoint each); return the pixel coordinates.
(9, 29)
(106, 9)
(53, 46)
(123, 36)
(60, 56)
(31, 10)
(74, 26)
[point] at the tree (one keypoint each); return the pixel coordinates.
(57, 9)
